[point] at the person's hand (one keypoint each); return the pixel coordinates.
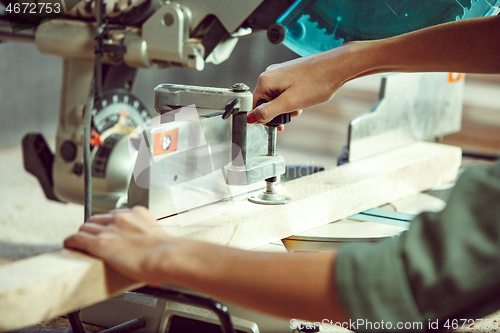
(295, 85)
(130, 241)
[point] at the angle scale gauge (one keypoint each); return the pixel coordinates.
(118, 111)
(114, 117)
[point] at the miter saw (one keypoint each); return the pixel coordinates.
(184, 33)
(188, 33)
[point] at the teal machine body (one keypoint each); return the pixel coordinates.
(313, 26)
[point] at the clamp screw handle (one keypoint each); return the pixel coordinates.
(280, 119)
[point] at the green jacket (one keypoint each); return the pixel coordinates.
(446, 266)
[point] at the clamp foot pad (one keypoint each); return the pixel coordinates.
(269, 199)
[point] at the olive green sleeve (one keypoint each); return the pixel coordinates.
(447, 265)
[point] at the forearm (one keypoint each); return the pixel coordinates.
(471, 46)
(287, 285)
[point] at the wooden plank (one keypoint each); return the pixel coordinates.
(53, 284)
(39, 288)
(323, 197)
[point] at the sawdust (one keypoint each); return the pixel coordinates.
(30, 224)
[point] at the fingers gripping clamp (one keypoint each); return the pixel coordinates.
(270, 196)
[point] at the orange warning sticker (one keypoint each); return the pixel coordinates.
(165, 142)
(454, 77)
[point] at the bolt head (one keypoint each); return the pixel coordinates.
(240, 87)
(168, 19)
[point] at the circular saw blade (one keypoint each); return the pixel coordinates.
(369, 19)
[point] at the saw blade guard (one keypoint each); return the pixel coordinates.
(313, 26)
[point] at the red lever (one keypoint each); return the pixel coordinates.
(95, 138)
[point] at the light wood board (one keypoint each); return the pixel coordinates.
(323, 197)
(52, 284)
(42, 287)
